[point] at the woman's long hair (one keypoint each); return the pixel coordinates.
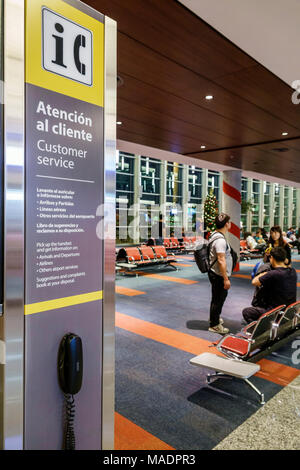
(277, 229)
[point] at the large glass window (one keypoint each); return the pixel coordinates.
(213, 181)
(285, 208)
(195, 184)
(195, 206)
(277, 204)
(295, 222)
(244, 208)
(150, 179)
(174, 182)
(267, 192)
(255, 209)
(150, 195)
(124, 195)
(174, 214)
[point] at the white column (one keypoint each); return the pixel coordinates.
(249, 198)
(261, 204)
(272, 200)
(137, 197)
(163, 188)
(185, 196)
(290, 215)
(221, 178)
(281, 205)
(232, 181)
(204, 184)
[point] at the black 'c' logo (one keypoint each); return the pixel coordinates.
(80, 41)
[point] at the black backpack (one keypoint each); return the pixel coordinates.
(201, 255)
(234, 257)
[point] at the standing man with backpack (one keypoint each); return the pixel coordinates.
(219, 271)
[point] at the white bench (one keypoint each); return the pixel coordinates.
(127, 265)
(225, 367)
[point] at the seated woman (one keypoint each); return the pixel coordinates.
(277, 240)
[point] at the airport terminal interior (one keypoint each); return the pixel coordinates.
(162, 401)
(168, 122)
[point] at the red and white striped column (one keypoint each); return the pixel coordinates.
(232, 206)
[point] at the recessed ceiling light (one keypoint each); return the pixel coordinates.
(209, 97)
(203, 146)
(284, 133)
(119, 123)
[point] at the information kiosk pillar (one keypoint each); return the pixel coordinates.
(59, 227)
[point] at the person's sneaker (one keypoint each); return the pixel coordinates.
(219, 329)
(221, 321)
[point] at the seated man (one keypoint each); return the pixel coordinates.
(276, 287)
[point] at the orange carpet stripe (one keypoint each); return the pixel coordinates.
(242, 276)
(129, 436)
(277, 373)
(126, 291)
(167, 278)
(183, 265)
(270, 370)
(246, 276)
(247, 264)
(164, 335)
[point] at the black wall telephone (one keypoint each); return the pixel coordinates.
(70, 369)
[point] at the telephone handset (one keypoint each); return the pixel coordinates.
(70, 369)
(70, 364)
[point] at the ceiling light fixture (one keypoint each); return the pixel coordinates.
(284, 133)
(209, 97)
(119, 123)
(203, 146)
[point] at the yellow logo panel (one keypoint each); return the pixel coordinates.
(64, 50)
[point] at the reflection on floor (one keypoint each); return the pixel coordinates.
(163, 402)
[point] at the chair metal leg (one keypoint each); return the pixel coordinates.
(262, 396)
(217, 375)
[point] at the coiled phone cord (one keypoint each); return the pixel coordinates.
(69, 436)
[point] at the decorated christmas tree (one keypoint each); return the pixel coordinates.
(211, 210)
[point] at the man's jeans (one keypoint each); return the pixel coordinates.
(218, 296)
(251, 314)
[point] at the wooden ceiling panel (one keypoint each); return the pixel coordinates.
(169, 60)
(263, 89)
(171, 137)
(140, 113)
(171, 105)
(258, 159)
(150, 141)
(169, 28)
(170, 77)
